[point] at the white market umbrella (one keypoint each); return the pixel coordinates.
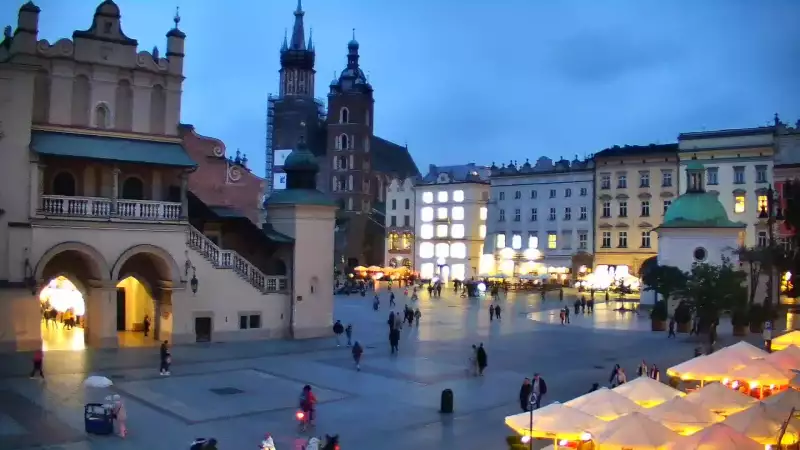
(785, 400)
(683, 416)
(554, 421)
(742, 350)
(717, 437)
(763, 423)
(634, 430)
(788, 358)
(647, 392)
(721, 399)
(96, 381)
(604, 404)
(762, 372)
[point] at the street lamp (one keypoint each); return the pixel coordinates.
(772, 213)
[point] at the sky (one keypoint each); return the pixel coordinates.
(483, 81)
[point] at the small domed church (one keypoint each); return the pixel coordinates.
(355, 166)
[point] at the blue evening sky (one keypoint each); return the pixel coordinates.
(479, 80)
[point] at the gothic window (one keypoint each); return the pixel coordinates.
(344, 115)
(80, 101)
(101, 117)
(133, 189)
(158, 109)
(124, 105)
(64, 184)
(41, 97)
(344, 142)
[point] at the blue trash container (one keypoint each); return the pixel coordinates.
(98, 419)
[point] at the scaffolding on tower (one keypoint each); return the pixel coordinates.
(270, 155)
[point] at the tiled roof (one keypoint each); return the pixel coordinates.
(459, 173)
(635, 150)
(110, 149)
(392, 159)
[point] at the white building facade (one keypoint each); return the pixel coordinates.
(541, 219)
(739, 168)
(451, 204)
(400, 231)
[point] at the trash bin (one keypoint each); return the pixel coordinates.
(446, 405)
(98, 419)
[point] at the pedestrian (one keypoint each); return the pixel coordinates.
(655, 373)
(577, 306)
(671, 333)
(391, 320)
(349, 333)
(525, 392)
(472, 362)
(417, 315)
(338, 329)
(539, 389)
(621, 377)
(391, 298)
(376, 303)
(566, 314)
(561, 315)
(357, 352)
(612, 379)
(482, 358)
(166, 358)
(38, 358)
(642, 370)
(146, 325)
(394, 340)
(491, 312)
(497, 311)
(120, 416)
(561, 294)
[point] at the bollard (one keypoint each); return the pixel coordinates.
(446, 404)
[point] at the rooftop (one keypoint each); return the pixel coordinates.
(637, 150)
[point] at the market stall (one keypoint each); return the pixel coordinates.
(634, 431)
(682, 416)
(555, 421)
(785, 340)
(785, 400)
(761, 377)
(716, 437)
(720, 399)
(717, 366)
(604, 404)
(741, 350)
(788, 358)
(647, 392)
(762, 423)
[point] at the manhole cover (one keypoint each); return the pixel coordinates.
(226, 391)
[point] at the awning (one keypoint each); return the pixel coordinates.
(110, 149)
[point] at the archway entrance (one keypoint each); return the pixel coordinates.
(63, 308)
(143, 299)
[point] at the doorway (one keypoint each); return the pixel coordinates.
(121, 309)
(202, 329)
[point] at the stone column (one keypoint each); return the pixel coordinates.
(184, 191)
(114, 189)
(101, 315)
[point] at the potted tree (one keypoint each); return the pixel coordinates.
(663, 280)
(683, 317)
(659, 316)
(740, 320)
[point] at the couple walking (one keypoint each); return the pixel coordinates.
(478, 360)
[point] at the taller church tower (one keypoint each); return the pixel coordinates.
(294, 104)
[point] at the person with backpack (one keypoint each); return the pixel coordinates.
(338, 329)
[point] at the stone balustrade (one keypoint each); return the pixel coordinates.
(229, 259)
(103, 208)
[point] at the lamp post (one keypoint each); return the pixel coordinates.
(440, 263)
(772, 213)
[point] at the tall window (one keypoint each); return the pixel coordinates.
(645, 239)
(667, 203)
(516, 241)
(568, 192)
(426, 231)
(133, 189)
(534, 215)
(584, 213)
(123, 118)
(457, 213)
(393, 221)
(762, 239)
(606, 209)
(344, 142)
(501, 240)
(738, 204)
(645, 208)
(762, 203)
(567, 213)
(584, 192)
(158, 110)
(484, 212)
(552, 214)
(606, 239)
(738, 175)
(583, 239)
(552, 241)
(622, 181)
(442, 196)
(517, 195)
(502, 216)
(427, 197)
(441, 213)
(482, 231)
(101, 117)
(457, 231)
(623, 239)
(517, 215)
(761, 174)
(458, 196)
(623, 209)
(502, 196)
(666, 178)
(441, 231)
(533, 195)
(605, 181)
(533, 240)
(644, 179)
(344, 115)
(712, 176)
(552, 193)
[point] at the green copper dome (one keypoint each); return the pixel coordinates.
(698, 210)
(301, 159)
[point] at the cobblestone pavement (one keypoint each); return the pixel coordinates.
(237, 392)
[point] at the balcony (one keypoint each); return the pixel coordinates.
(103, 208)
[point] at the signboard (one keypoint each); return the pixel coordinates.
(768, 325)
(279, 157)
(278, 181)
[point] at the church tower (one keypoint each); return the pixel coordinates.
(294, 104)
(350, 113)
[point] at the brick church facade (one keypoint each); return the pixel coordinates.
(355, 165)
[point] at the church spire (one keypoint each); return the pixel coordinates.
(298, 32)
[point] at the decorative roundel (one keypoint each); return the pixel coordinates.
(234, 173)
(218, 151)
(700, 254)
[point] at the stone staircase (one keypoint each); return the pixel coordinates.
(230, 260)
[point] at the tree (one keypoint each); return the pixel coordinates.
(791, 214)
(711, 289)
(664, 280)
